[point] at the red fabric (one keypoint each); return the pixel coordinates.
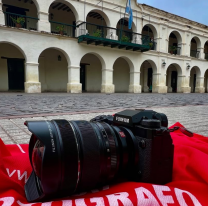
(189, 185)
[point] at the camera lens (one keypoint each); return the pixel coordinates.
(76, 156)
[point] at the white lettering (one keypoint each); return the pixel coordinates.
(20, 148)
(21, 204)
(164, 199)
(7, 201)
(123, 197)
(142, 200)
(23, 175)
(98, 200)
(182, 202)
(67, 203)
(10, 175)
(80, 202)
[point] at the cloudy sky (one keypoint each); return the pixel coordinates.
(196, 10)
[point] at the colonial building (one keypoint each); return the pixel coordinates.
(85, 45)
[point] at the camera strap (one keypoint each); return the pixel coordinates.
(183, 130)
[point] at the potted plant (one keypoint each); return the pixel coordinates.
(97, 33)
(150, 45)
(60, 29)
(19, 21)
(173, 49)
(125, 38)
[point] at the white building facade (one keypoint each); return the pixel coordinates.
(86, 46)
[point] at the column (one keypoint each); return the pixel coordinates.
(81, 30)
(170, 89)
(107, 81)
(199, 85)
(183, 84)
(32, 84)
(2, 17)
(162, 42)
(201, 54)
(135, 86)
(146, 88)
(111, 34)
(73, 85)
(43, 23)
(158, 83)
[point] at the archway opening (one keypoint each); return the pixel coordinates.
(146, 76)
(12, 68)
(91, 73)
(173, 80)
(206, 50)
(206, 81)
(96, 24)
(194, 74)
(194, 47)
(62, 19)
(148, 30)
(121, 75)
(53, 71)
(174, 43)
(123, 32)
(20, 14)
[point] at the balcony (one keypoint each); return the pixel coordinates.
(20, 21)
(63, 29)
(194, 53)
(174, 50)
(112, 37)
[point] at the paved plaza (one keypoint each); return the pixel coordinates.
(189, 109)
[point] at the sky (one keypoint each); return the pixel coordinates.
(196, 10)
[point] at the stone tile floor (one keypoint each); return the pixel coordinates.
(194, 118)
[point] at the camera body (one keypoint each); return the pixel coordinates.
(154, 144)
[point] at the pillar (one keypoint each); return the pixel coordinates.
(107, 81)
(170, 89)
(135, 86)
(183, 83)
(199, 85)
(111, 34)
(73, 85)
(2, 17)
(43, 23)
(201, 54)
(81, 30)
(158, 83)
(32, 84)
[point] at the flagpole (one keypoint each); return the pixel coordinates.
(121, 30)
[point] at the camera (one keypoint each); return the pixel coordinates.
(68, 157)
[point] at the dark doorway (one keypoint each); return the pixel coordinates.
(149, 80)
(16, 74)
(194, 83)
(83, 76)
(174, 77)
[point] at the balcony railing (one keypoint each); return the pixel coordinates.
(115, 38)
(20, 21)
(63, 29)
(206, 56)
(194, 53)
(174, 50)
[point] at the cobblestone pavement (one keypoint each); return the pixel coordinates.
(21, 104)
(193, 118)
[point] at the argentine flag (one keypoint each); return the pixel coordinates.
(129, 11)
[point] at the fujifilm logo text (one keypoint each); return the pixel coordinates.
(121, 119)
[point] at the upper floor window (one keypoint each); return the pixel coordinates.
(195, 46)
(150, 31)
(21, 14)
(175, 43)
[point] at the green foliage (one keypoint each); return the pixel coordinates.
(60, 28)
(19, 20)
(150, 44)
(173, 48)
(125, 38)
(97, 33)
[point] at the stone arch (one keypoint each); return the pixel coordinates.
(122, 67)
(12, 67)
(174, 78)
(206, 81)
(195, 46)
(102, 14)
(147, 70)
(206, 50)
(53, 69)
(175, 42)
(73, 9)
(91, 67)
(153, 29)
